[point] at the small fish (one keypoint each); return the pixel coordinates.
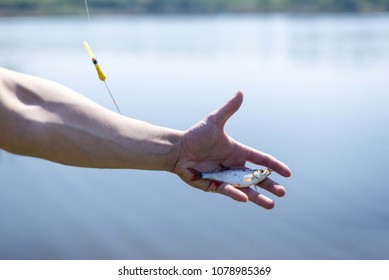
(239, 178)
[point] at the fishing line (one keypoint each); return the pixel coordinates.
(100, 72)
(87, 10)
(113, 99)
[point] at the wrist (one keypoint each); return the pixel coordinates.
(174, 140)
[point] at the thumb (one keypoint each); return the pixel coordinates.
(221, 115)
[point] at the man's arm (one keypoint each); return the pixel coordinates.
(43, 119)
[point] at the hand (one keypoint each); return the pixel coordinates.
(206, 147)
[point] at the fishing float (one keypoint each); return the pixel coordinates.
(100, 73)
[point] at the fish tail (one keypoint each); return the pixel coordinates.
(196, 175)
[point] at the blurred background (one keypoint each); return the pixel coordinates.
(44, 7)
(315, 78)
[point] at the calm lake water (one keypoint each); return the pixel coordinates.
(316, 97)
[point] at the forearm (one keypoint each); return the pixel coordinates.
(43, 119)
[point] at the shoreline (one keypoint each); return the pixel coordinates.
(121, 12)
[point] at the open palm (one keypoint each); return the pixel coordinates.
(206, 147)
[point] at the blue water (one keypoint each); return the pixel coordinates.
(316, 97)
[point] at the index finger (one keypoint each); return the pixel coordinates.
(269, 161)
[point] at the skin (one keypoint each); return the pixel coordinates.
(43, 119)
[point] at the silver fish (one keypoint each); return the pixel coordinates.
(239, 178)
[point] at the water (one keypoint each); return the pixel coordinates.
(316, 97)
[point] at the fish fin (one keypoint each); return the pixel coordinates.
(248, 178)
(196, 175)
